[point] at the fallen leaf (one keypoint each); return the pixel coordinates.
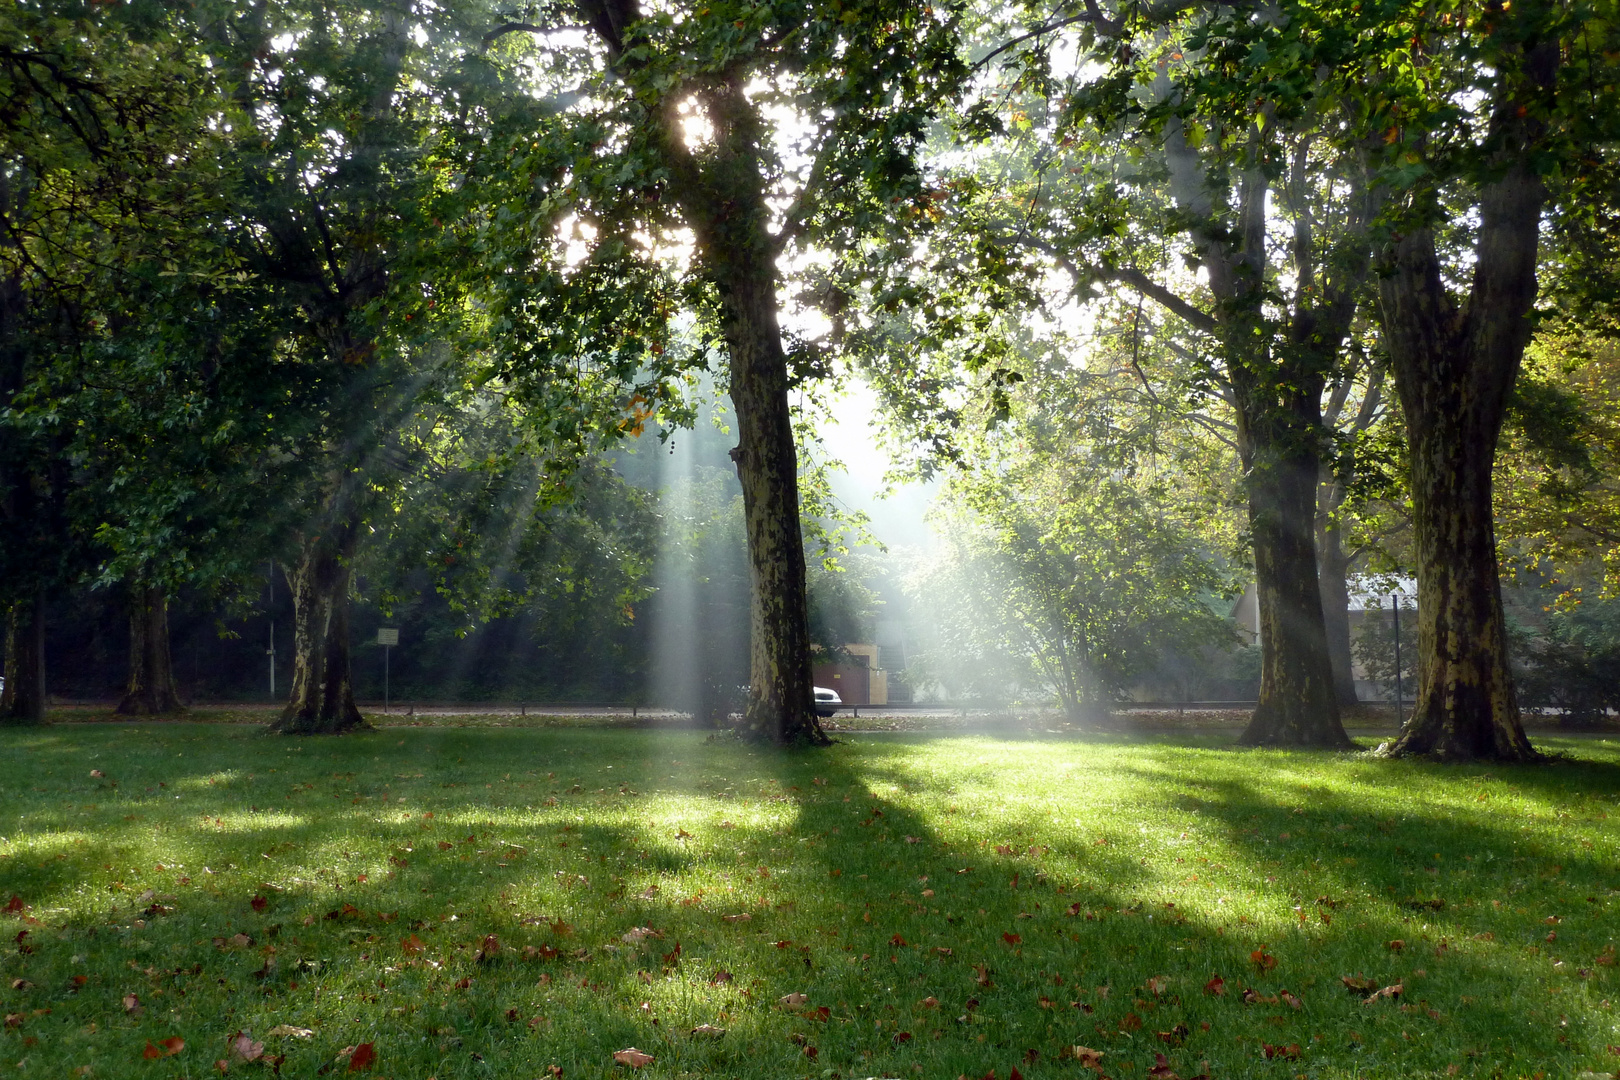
(901, 1037)
(1289, 1052)
(1131, 1022)
(897, 940)
(982, 976)
(709, 1030)
(1395, 946)
(1161, 1069)
(1392, 992)
(172, 1045)
(639, 934)
(793, 1000)
(289, 1030)
(151, 1052)
(488, 949)
(740, 917)
(1358, 984)
(930, 1002)
(1263, 960)
(632, 1057)
(243, 1048)
(362, 1057)
(21, 984)
(132, 1005)
(1290, 999)
(1175, 1036)
(1086, 1056)
(15, 904)
(97, 774)
(259, 903)
(1010, 939)
(1215, 986)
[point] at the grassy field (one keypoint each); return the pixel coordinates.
(494, 903)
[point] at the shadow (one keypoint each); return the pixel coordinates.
(981, 874)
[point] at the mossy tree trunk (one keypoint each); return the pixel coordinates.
(322, 698)
(150, 690)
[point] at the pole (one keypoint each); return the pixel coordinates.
(1395, 610)
(271, 651)
(386, 651)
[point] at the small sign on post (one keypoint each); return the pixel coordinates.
(387, 637)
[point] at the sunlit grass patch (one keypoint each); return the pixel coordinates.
(478, 903)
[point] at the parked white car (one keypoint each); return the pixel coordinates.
(827, 701)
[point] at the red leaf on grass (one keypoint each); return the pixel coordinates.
(632, 1057)
(363, 1057)
(1288, 1053)
(1263, 960)
(1010, 939)
(15, 904)
(897, 940)
(1215, 986)
(259, 903)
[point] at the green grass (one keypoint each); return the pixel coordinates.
(1180, 858)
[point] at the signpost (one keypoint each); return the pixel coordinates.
(387, 637)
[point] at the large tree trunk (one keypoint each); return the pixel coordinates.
(780, 693)
(1453, 373)
(1297, 706)
(23, 700)
(725, 205)
(322, 700)
(1454, 366)
(151, 690)
(1333, 577)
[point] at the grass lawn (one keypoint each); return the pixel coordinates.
(490, 903)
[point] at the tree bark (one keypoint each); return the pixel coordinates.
(780, 694)
(1454, 366)
(1333, 577)
(1297, 706)
(722, 197)
(1276, 393)
(23, 699)
(1453, 376)
(151, 690)
(322, 699)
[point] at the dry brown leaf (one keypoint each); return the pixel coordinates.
(709, 1030)
(289, 1030)
(243, 1048)
(632, 1057)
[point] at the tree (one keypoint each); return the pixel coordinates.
(1471, 116)
(1075, 561)
(87, 106)
(689, 99)
(1143, 164)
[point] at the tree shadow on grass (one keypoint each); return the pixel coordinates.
(829, 873)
